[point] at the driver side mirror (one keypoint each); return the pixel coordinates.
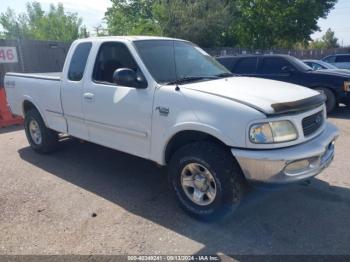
(287, 69)
(128, 77)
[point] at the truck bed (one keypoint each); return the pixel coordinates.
(40, 89)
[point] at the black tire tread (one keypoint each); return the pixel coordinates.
(331, 102)
(228, 170)
(49, 137)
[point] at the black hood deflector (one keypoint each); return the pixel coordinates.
(299, 105)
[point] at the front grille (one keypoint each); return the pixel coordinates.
(312, 123)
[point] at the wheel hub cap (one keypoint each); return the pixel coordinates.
(35, 132)
(198, 183)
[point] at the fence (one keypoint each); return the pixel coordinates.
(31, 56)
(301, 54)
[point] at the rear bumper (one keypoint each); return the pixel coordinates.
(288, 165)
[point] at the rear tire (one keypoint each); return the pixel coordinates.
(216, 180)
(331, 102)
(41, 139)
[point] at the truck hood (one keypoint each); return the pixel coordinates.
(333, 72)
(268, 96)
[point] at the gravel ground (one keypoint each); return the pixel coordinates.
(86, 199)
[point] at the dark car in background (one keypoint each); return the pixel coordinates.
(322, 65)
(338, 60)
(319, 64)
(335, 85)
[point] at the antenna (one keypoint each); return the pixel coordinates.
(177, 88)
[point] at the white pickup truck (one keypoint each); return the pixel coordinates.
(168, 101)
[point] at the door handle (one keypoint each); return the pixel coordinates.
(90, 97)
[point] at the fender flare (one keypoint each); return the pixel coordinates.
(190, 126)
(32, 101)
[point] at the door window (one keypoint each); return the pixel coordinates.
(329, 59)
(274, 65)
(78, 61)
(343, 59)
(112, 56)
(317, 66)
(246, 66)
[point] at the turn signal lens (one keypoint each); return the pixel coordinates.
(346, 87)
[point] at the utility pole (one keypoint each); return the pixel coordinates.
(19, 47)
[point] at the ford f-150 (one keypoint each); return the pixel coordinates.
(168, 101)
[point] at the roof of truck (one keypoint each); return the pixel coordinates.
(132, 38)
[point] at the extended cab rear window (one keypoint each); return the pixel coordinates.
(78, 61)
(246, 65)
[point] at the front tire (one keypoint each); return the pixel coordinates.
(331, 102)
(41, 139)
(207, 180)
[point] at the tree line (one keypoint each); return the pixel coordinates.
(253, 24)
(35, 23)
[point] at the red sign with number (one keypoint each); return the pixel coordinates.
(8, 54)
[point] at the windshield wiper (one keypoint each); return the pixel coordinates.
(190, 79)
(225, 75)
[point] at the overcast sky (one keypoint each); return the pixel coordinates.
(92, 13)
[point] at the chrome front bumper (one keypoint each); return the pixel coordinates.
(291, 164)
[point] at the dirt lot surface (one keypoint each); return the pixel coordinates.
(86, 199)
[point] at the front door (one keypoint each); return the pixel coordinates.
(278, 68)
(117, 116)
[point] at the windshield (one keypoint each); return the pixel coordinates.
(327, 65)
(172, 60)
(300, 64)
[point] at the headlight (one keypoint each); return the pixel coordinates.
(272, 132)
(346, 86)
